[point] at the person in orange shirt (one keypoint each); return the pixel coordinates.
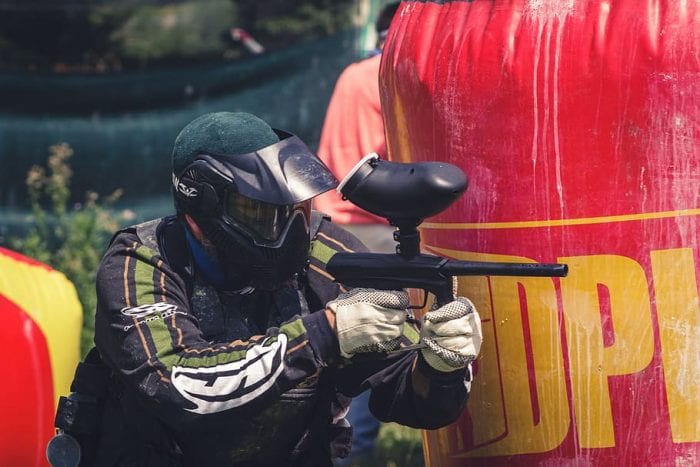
(353, 128)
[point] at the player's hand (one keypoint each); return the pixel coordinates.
(452, 335)
(369, 320)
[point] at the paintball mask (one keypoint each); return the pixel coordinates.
(255, 208)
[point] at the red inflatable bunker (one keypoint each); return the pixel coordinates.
(41, 319)
(577, 123)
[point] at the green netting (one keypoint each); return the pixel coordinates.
(121, 126)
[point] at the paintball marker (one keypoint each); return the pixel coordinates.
(405, 194)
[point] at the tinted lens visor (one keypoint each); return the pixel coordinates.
(262, 220)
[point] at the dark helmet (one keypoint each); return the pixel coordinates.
(249, 188)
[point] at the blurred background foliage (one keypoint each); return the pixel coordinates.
(118, 79)
(70, 238)
(93, 35)
(174, 32)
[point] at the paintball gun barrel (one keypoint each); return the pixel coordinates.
(405, 194)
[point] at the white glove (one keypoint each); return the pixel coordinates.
(369, 320)
(452, 335)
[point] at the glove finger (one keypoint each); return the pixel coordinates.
(451, 358)
(463, 345)
(371, 334)
(376, 337)
(454, 327)
(397, 299)
(475, 324)
(367, 314)
(346, 297)
(459, 307)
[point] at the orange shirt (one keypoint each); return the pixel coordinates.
(352, 129)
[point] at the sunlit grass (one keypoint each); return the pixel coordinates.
(399, 446)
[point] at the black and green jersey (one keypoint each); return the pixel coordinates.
(230, 388)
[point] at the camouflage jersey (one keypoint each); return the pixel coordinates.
(204, 377)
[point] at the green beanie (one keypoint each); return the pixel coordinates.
(221, 133)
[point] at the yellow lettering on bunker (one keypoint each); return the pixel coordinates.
(676, 289)
(591, 361)
(517, 411)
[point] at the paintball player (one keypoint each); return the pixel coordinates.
(223, 341)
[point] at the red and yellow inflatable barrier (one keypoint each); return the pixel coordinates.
(41, 320)
(577, 123)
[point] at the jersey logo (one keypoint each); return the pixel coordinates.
(230, 385)
(142, 311)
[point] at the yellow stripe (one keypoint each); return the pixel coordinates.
(325, 274)
(333, 240)
(321, 252)
(560, 222)
(321, 272)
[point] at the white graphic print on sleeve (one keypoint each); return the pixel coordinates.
(148, 309)
(230, 385)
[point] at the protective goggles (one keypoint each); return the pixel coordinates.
(264, 222)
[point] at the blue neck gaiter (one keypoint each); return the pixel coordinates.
(211, 268)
